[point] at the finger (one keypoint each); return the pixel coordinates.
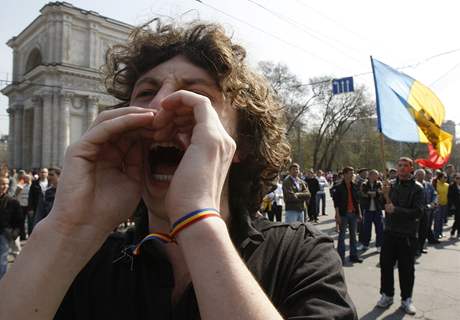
(202, 108)
(115, 113)
(108, 129)
(184, 121)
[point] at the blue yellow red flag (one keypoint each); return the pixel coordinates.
(407, 110)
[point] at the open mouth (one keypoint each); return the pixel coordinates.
(163, 159)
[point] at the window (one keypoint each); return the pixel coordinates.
(35, 59)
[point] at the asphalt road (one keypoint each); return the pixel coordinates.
(437, 279)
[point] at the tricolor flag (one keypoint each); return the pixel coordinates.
(408, 110)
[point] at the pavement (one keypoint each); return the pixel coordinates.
(437, 279)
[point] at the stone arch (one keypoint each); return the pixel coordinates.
(34, 59)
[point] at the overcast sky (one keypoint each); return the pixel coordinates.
(314, 38)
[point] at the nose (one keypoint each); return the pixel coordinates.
(165, 90)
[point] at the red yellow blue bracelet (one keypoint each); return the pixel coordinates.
(192, 218)
(178, 226)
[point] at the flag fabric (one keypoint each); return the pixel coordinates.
(434, 161)
(409, 111)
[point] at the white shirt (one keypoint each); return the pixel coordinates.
(44, 185)
(322, 183)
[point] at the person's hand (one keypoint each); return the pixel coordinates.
(338, 220)
(101, 180)
(389, 208)
(199, 179)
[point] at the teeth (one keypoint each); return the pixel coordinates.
(171, 144)
(162, 177)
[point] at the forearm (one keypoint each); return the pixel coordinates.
(36, 283)
(224, 287)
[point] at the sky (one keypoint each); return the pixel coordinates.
(314, 38)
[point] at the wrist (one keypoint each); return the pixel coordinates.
(80, 238)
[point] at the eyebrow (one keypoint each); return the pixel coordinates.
(184, 81)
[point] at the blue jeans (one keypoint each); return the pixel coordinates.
(321, 197)
(376, 218)
(4, 248)
(348, 220)
(293, 216)
(439, 215)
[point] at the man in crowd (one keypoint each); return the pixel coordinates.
(37, 192)
(454, 201)
(432, 196)
(359, 180)
(429, 201)
(403, 209)
(347, 213)
(441, 213)
(313, 187)
(372, 206)
(296, 194)
(10, 210)
(46, 203)
(321, 194)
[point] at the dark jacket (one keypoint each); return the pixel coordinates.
(295, 197)
(10, 213)
(453, 197)
(35, 194)
(408, 198)
(340, 197)
(365, 199)
(45, 205)
(313, 186)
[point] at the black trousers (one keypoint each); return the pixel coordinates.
(423, 230)
(401, 249)
(275, 212)
(312, 213)
(456, 225)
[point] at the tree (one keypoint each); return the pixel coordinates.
(293, 94)
(333, 116)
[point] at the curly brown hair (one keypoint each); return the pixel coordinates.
(261, 138)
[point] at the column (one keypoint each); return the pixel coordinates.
(11, 137)
(93, 45)
(25, 145)
(37, 132)
(18, 136)
(47, 129)
(64, 125)
(56, 114)
(92, 109)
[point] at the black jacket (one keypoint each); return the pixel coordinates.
(35, 194)
(340, 197)
(453, 197)
(10, 213)
(408, 198)
(365, 199)
(45, 204)
(313, 186)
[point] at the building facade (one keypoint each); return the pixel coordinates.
(57, 90)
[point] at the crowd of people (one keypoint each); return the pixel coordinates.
(26, 197)
(408, 208)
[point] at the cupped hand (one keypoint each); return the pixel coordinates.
(101, 180)
(199, 179)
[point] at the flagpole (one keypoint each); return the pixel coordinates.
(382, 152)
(379, 124)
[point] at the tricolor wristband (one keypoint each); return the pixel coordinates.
(178, 226)
(192, 218)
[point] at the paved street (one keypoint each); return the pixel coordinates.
(437, 280)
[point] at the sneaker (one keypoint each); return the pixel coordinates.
(364, 248)
(359, 247)
(377, 249)
(385, 301)
(408, 306)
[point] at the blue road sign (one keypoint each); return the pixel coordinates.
(342, 85)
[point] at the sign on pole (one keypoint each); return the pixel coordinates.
(342, 85)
